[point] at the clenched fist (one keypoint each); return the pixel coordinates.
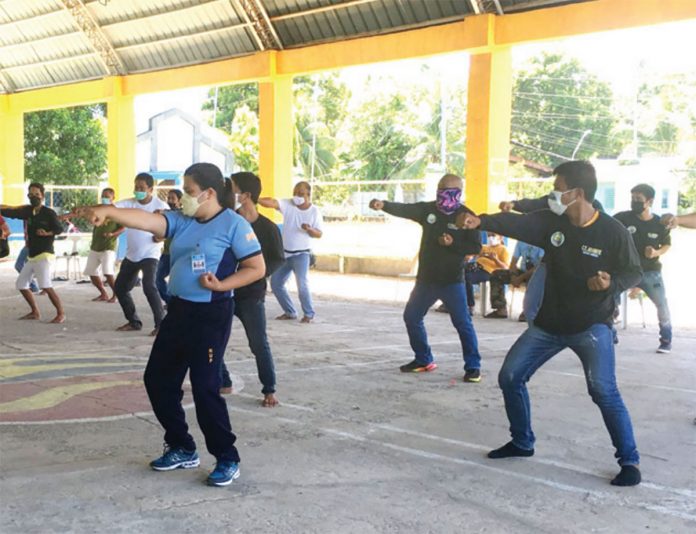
(445, 240)
(467, 221)
(210, 281)
(376, 204)
(599, 282)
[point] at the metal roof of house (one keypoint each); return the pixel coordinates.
(54, 42)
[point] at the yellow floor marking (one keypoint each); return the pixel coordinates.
(13, 371)
(54, 396)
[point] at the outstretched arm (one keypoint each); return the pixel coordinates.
(530, 228)
(154, 223)
(269, 202)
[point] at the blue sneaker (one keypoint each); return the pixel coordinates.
(175, 458)
(224, 473)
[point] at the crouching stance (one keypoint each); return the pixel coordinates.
(590, 257)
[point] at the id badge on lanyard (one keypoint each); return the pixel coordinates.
(198, 261)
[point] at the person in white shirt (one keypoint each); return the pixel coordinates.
(142, 255)
(302, 222)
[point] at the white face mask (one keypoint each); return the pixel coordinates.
(555, 203)
(298, 201)
(190, 205)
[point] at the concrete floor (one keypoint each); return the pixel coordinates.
(355, 446)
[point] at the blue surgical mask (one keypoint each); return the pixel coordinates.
(140, 195)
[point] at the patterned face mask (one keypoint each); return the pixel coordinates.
(449, 200)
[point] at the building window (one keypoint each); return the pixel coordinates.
(665, 199)
(605, 194)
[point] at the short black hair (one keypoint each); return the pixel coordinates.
(145, 177)
(644, 189)
(108, 190)
(248, 182)
(177, 192)
(38, 186)
(579, 174)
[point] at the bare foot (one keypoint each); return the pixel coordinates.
(59, 319)
(31, 316)
(154, 332)
(270, 401)
(127, 328)
(100, 298)
(226, 390)
(306, 320)
(112, 300)
(285, 317)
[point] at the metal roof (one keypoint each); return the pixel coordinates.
(54, 42)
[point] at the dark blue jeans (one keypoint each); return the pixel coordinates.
(655, 290)
(595, 348)
(252, 314)
(163, 269)
(471, 277)
(453, 296)
(192, 338)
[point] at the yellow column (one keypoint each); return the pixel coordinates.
(489, 110)
(276, 135)
(120, 134)
(11, 153)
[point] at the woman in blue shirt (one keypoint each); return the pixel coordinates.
(213, 252)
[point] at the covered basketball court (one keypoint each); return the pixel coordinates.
(355, 446)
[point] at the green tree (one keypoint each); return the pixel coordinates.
(556, 104)
(229, 99)
(244, 139)
(65, 146)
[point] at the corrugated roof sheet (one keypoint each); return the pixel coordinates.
(43, 44)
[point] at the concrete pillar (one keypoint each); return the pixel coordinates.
(11, 154)
(276, 136)
(489, 110)
(121, 139)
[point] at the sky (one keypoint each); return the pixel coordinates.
(615, 57)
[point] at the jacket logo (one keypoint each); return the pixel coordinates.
(631, 229)
(557, 239)
(652, 236)
(591, 251)
(431, 218)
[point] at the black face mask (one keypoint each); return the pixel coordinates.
(637, 207)
(35, 201)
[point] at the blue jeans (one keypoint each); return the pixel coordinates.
(534, 294)
(298, 264)
(19, 265)
(595, 348)
(453, 296)
(252, 314)
(163, 269)
(655, 290)
(472, 277)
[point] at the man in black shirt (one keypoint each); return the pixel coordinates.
(441, 258)
(652, 240)
(590, 257)
(42, 228)
(249, 301)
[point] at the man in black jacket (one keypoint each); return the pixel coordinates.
(441, 260)
(249, 301)
(42, 228)
(652, 240)
(590, 257)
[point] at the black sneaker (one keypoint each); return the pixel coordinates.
(472, 375)
(417, 367)
(665, 347)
